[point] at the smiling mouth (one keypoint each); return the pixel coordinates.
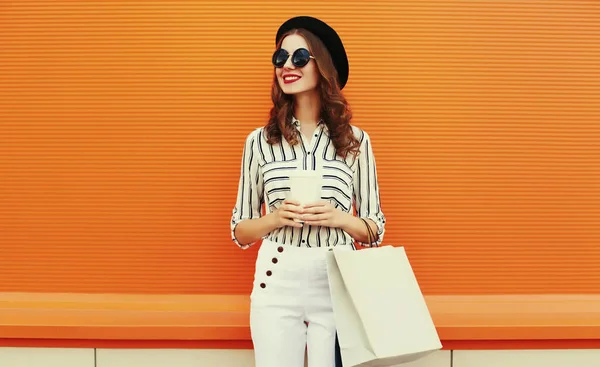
(288, 79)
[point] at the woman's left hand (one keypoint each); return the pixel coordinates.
(323, 214)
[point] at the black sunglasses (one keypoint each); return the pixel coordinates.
(300, 57)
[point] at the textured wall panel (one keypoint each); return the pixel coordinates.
(122, 124)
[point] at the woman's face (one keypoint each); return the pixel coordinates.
(294, 80)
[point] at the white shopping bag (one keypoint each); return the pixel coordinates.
(380, 313)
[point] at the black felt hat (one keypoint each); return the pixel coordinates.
(328, 36)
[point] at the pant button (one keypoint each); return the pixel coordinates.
(269, 273)
(280, 249)
(262, 285)
(274, 260)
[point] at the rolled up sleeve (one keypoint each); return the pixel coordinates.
(250, 188)
(366, 189)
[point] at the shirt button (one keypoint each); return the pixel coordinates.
(303, 241)
(308, 153)
(280, 249)
(269, 273)
(262, 285)
(274, 260)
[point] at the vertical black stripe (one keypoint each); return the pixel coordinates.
(358, 190)
(260, 188)
(303, 154)
(242, 186)
(272, 152)
(260, 148)
(282, 151)
(316, 145)
(326, 148)
(293, 149)
(376, 183)
(367, 158)
(336, 235)
(319, 237)
(362, 137)
(250, 196)
(359, 170)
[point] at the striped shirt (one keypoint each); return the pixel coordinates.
(347, 183)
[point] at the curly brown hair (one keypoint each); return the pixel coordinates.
(335, 110)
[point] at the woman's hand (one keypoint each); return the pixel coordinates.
(323, 214)
(287, 212)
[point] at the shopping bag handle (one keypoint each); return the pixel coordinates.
(370, 234)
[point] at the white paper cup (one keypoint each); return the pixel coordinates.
(305, 187)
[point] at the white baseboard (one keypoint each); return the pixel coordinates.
(87, 357)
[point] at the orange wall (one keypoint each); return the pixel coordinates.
(484, 116)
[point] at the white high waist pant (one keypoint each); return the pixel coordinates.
(291, 307)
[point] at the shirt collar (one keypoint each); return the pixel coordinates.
(296, 122)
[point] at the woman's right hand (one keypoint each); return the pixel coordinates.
(287, 212)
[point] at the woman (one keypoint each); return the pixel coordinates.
(308, 131)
